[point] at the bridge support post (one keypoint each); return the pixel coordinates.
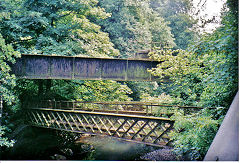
(225, 146)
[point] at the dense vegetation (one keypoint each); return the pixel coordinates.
(202, 68)
(206, 74)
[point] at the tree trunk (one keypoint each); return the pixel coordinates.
(40, 88)
(48, 86)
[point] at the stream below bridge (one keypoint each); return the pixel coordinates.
(33, 143)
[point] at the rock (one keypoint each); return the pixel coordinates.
(86, 147)
(58, 157)
(67, 151)
(160, 155)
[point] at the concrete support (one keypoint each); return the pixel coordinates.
(225, 146)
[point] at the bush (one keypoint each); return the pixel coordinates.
(193, 134)
(3, 140)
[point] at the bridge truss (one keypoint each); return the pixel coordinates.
(129, 127)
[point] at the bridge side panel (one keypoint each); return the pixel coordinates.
(61, 67)
(35, 67)
(66, 67)
(87, 68)
(137, 70)
(147, 130)
(114, 69)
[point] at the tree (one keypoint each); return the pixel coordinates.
(207, 71)
(57, 28)
(206, 74)
(134, 26)
(181, 23)
(7, 82)
(54, 28)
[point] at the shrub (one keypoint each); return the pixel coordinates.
(193, 133)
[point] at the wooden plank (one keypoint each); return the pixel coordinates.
(125, 120)
(88, 123)
(107, 129)
(61, 120)
(55, 119)
(96, 124)
(81, 123)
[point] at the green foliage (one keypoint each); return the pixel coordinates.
(193, 134)
(182, 29)
(207, 73)
(3, 140)
(183, 72)
(102, 91)
(161, 99)
(7, 81)
(177, 13)
(140, 88)
(57, 28)
(73, 90)
(134, 26)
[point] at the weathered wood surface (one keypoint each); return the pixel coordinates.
(142, 129)
(66, 67)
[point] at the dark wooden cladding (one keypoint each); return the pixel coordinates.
(64, 67)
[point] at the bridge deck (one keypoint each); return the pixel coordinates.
(83, 68)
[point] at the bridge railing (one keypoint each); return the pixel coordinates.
(130, 121)
(131, 107)
(135, 128)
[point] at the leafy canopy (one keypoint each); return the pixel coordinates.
(134, 26)
(57, 27)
